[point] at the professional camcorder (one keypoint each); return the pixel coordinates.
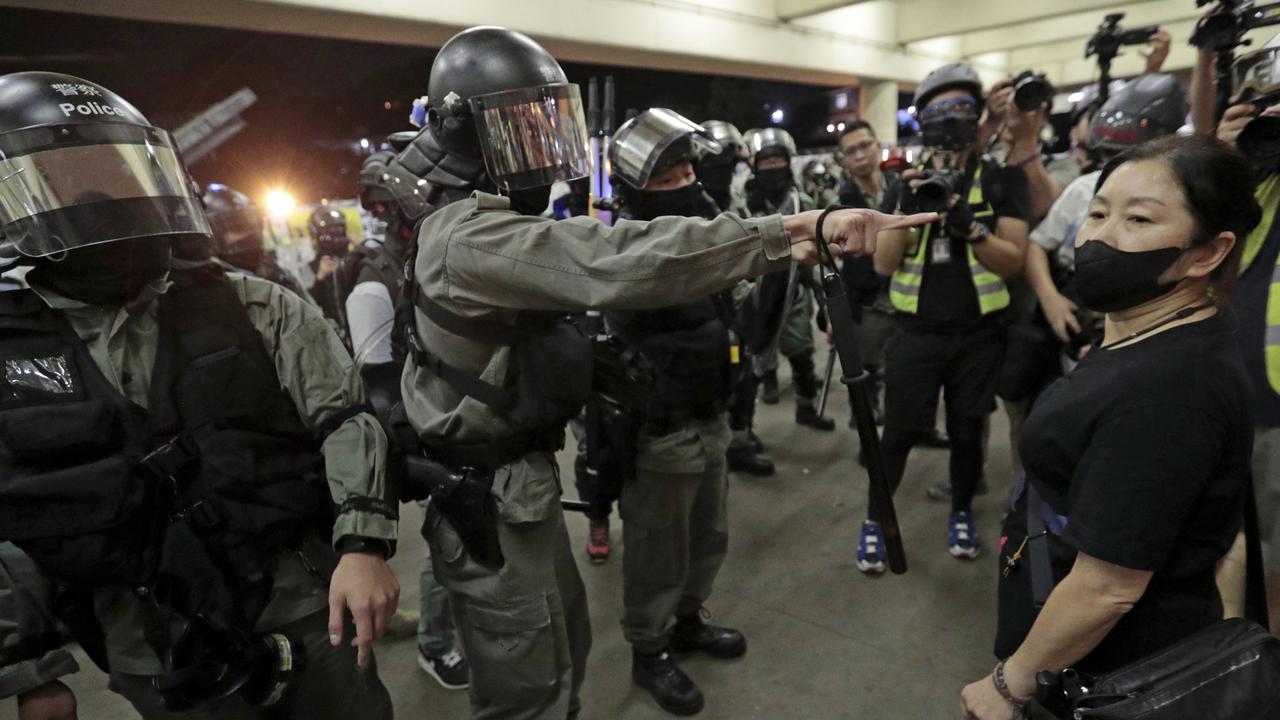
(1109, 38)
(1031, 91)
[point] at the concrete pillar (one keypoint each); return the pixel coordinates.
(880, 108)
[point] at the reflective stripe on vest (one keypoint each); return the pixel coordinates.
(904, 287)
(1268, 196)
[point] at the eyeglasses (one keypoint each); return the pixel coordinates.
(863, 147)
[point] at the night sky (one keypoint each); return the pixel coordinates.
(317, 97)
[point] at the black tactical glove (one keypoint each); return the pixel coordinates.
(959, 219)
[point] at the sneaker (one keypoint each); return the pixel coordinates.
(450, 669)
(964, 543)
(871, 548)
(598, 545)
(941, 490)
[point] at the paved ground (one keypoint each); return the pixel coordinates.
(825, 641)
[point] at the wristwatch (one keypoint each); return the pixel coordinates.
(359, 544)
(981, 237)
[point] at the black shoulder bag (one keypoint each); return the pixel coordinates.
(1227, 671)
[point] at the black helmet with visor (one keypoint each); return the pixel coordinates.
(81, 166)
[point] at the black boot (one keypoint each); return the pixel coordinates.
(769, 388)
(744, 458)
(807, 414)
(670, 687)
(756, 443)
(692, 634)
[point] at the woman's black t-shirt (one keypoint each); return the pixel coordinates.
(1144, 449)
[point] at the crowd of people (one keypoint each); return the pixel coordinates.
(202, 458)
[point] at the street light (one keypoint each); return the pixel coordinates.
(280, 203)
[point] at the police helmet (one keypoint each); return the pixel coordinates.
(952, 76)
(772, 141)
(1147, 107)
(727, 135)
(328, 229)
(654, 141)
(236, 223)
(81, 166)
(496, 94)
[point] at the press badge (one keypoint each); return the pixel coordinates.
(940, 250)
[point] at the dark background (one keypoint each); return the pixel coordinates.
(318, 97)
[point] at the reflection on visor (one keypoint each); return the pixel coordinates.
(955, 107)
(64, 197)
(532, 137)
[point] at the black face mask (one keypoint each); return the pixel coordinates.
(106, 274)
(774, 182)
(716, 175)
(685, 201)
(533, 201)
(1109, 280)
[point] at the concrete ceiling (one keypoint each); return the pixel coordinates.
(831, 42)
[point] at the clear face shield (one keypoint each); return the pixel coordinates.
(66, 187)
(532, 137)
(640, 142)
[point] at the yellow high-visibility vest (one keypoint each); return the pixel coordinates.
(1268, 195)
(904, 287)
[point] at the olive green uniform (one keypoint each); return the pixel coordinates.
(319, 376)
(524, 627)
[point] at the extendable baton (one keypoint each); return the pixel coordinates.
(853, 374)
(826, 384)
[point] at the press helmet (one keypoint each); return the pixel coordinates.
(1147, 107)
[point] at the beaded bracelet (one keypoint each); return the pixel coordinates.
(1002, 687)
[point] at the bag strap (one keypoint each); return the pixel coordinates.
(1255, 591)
(1041, 570)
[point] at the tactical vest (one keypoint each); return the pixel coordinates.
(689, 348)
(904, 287)
(218, 472)
(1268, 195)
(549, 381)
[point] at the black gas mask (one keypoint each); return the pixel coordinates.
(110, 273)
(950, 124)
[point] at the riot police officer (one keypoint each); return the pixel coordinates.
(176, 442)
(675, 529)
(718, 171)
(238, 238)
(327, 227)
(785, 299)
(376, 273)
(494, 373)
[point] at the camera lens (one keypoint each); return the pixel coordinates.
(1030, 94)
(932, 195)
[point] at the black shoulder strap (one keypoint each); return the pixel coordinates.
(22, 310)
(1038, 547)
(1255, 590)
(495, 397)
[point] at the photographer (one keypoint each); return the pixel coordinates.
(1141, 470)
(1256, 297)
(948, 290)
(1017, 111)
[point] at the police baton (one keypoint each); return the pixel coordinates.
(840, 315)
(826, 384)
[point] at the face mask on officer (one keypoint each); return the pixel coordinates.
(773, 174)
(716, 173)
(673, 191)
(105, 274)
(530, 201)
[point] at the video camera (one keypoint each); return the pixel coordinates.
(937, 186)
(1223, 30)
(1106, 44)
(1031, 90)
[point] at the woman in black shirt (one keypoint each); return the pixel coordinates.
(1141, 453)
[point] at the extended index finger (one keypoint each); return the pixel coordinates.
(902, 221)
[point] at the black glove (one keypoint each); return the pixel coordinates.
(959, 221)
(907, 202)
